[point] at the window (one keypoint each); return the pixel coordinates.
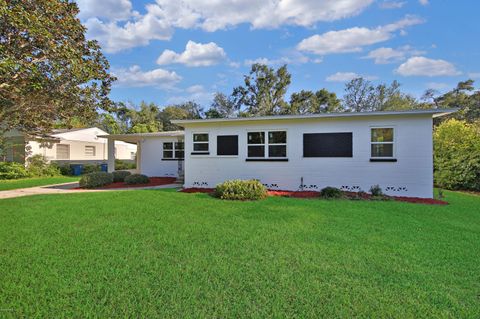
(63, 151)
(173, 150)
(327, 145)
(200, 144)
(274, 147)
(89, 150)
(227, 145)
(133, 155)
(382, 142)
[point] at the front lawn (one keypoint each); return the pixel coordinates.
(35, 181)
(160, 253)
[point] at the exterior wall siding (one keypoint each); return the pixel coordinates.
(151, 163)
(411, 175)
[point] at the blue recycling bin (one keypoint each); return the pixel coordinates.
(104, 167)
(77, 169)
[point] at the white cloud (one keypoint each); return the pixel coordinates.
(135, 77)
(163, 16)
(391, 4)
(348, 76)
(421, 66)
(353, 39)
(389, 55)
(474, 75)
(424, 2)
(196, 93)
(195, 54)
(437, 85)
(291, 58)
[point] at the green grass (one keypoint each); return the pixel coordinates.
(157, 253)
(36, 181)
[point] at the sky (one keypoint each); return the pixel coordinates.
(171, 51)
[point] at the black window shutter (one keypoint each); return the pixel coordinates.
(227, 145)
(327, 145)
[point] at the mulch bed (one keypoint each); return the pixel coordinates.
(154, 181)
(312, 194)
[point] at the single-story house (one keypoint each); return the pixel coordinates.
(351, 151)
(81, 145)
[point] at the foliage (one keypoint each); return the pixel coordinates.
(90, 168)
(37, 165)
(241, 190)
(308, 102)
(49, 72)
(331, 192)
(376, 191)
(13, 170)
(186, 111)
(264, 91)
(457, 155)
(222, 107)
(119, 176)
(96, 179)
(137, 179)
(123, 165)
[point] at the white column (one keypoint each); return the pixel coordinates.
(138, 157)
(111, 155)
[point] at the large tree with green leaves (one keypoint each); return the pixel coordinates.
(49, 71)
(465, 97)
(185, 111)
(222, 106)
(309, 102)
(263, 92)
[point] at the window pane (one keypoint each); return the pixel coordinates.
(167, 154)
(227, 145)
(179, 154)
(382, 150)
(256, 151)
(179, 146)
(256, 138)
(200, 147)
(382, 134)
(168, 146)
(277, 137)
(277, 151)
(328, 145)
(200, 137)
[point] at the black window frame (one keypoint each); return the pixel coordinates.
(330, 148)
(229, 150)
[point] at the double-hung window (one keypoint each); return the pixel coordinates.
(382, 143)
(267, 144)
(200, 143)
(173, 150)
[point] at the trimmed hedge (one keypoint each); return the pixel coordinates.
(96, 179)
(119, 176)
(241, 190)
(331, 192)
(136, 179)
(12, 170)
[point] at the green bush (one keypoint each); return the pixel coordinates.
(65, 169)
(119, 176)
(331, 192)
(457, 155)
(137, 179)
(121, 165)
(241, 190)
(376, 191)
(90, 168)
(37, 165)
(96, 179)
(12, 170)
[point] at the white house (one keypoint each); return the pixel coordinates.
(66, 145)
(351, 151)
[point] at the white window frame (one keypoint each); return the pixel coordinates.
(267, 143)
(393, 142)
(92, 154)
(174, 150)
(68, 151)
(207, 152)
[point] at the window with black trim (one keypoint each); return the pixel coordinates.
(227, 145)
(273, 147)
(328, 144)
(173, 150)
(382, 142)
(200, 143)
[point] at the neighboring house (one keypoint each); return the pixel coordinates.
(351, 151)
(66, 146)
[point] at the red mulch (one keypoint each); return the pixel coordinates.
(313, 194)
(154, 181)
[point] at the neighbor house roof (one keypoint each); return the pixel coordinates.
(433, 112)
(134, 137)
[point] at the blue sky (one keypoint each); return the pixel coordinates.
(168, 51)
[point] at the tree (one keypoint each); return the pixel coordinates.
(308, 102)
(145, 119)
(222, 107)
(49, 72)
(358, 95)
(186, 111)
(464, 97)
(328, 101)
(264, 90)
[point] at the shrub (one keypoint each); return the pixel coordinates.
(457, 155)
(90, 168)
(376, 191)
(12, 170)
(96, 179)
(331, 192)
(37, 165)
(241, 190)
(136, 179)
(65, 169)
(122, 165)
(119, 176)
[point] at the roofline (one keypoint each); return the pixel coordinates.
(433, 112)
(153, 134)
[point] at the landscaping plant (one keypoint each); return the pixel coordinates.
(119, 176)
(241, 190)
(96, 179)
(12, 170)
(331, 192)
(37, 165)
(137, 179)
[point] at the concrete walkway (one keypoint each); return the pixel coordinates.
(69, 188)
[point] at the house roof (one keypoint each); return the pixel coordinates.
(432, 112)
(134, 137)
